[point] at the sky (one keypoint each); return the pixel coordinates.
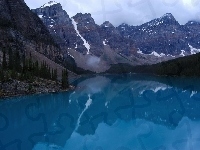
(132, 12)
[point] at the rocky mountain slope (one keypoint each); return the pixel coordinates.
(97, 47)
(23, 31)
(80, 37)
(164, 36)
(20, 28)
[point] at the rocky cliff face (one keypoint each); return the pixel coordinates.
(158, 40)
(79, 33)
(163, 36)
(81, 38)
(89, 31)
(115, 39)
(59, 25)
(22, 30)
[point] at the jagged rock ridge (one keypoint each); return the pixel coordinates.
(158, 40)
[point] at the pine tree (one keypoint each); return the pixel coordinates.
(65, 83)
(41, 70)
(1, 75)
(13, 74)
(23, 63)
(49, 72)
(6, 76)
(36, 69)
(17, 60)
(55, 74)
(52, 74)
(30, 64)
(4, 63)
(10, 60)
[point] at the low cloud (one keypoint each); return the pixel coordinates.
(93, 62)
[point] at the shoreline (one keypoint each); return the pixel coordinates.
(32, 94)
(16, 88)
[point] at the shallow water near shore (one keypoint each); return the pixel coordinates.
(106, 112)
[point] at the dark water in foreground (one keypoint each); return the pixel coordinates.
(112, 112)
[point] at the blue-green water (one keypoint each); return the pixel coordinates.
(108, 112)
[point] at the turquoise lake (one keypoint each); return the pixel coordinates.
(106, 112)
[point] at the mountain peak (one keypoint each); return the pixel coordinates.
(166, 19)
(49, 4)
(87, 18)
(192, 23)
(107, 24)
(86, 15)
(168, 16)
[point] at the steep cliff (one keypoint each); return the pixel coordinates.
(22, 30)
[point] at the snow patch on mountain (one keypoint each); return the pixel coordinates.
(87, 46)
(139, 52)
(170, 55)
(155, 23)
(182, 53)
(104, 42)
(155, 54)
(70, 55)
(40, 16)
(193, 50)
(162, 55)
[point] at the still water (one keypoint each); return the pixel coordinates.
(106, 112)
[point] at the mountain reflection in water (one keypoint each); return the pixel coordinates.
(106, 112)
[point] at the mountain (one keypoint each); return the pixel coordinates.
(164, 35)
(97, 47)
(79, 37)
(20, 28)
(23, 32)
(31, 61)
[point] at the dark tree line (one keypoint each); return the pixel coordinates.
(17, 66)
(184, 66)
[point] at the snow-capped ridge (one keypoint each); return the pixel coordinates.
(167, 18)
(50, 3)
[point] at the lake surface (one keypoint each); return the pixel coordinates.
(108, 112)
